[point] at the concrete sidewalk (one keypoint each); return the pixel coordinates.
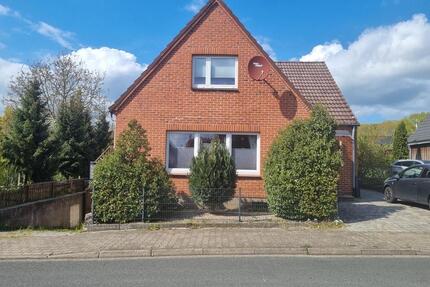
(210, 241)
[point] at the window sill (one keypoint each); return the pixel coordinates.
(186, 172)
(245, 173)
(215, 89)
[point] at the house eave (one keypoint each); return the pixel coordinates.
(418, 143)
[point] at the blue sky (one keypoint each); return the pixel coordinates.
(134, 32)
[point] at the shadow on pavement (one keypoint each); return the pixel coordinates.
(358, 212)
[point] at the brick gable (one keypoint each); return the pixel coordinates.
(165, 100)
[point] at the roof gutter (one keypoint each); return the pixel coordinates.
(418, 143)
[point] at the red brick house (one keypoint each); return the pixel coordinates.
(199, 87)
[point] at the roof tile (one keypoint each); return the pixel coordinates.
(315, 83)
(422, 134)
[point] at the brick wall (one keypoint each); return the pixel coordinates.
(167, 102)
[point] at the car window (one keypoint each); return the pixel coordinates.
(400, 163)
(408, 163)
(413, 172)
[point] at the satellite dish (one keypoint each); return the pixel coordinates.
(258, 68)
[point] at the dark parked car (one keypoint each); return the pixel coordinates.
(411, 184)
(403, 164)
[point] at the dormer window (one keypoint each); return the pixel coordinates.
(215, 72)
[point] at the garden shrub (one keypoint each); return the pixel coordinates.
(122, 176)
(302, 169)
(373, 163)
(213, 176)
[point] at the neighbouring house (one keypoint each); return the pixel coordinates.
(200, 88)
(419, 142)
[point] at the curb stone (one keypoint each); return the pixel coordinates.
(334, 251)
(125, 253)
(145, 253)
(75, 255)
(25, 256)
(388, 252)
(169, 225)
(177, 252)
(281, 251)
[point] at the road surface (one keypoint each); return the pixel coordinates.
(221, 271)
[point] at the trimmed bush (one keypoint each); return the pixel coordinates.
(213, 176)
(302, 169)
(122, 176)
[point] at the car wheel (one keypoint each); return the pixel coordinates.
(388, 195)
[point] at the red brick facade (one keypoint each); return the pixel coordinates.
(166, 101)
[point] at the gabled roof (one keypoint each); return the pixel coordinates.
(315, 83)
(178, 40)
(422, 134)
(312, 82)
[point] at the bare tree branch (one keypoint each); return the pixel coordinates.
(61, 78)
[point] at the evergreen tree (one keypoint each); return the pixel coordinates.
(400, 142)
(102, 135)
(74, 139)
(213, 176)
(26, 144)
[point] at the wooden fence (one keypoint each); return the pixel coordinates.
(39, 191)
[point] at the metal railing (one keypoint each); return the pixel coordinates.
(239, 206)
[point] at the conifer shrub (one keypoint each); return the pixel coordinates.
(127, 181)
(212, 176)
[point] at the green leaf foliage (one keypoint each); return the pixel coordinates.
(127, 180)
(373, 162)
(302, 169)
(400, 142)
(74, 139)
(213, 176)
(26, 144)
(8, 173)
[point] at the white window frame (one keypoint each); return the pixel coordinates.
(228, 142)
(208, 84)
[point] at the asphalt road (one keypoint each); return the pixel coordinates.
(221, 271)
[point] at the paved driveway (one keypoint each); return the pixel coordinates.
(372, 213)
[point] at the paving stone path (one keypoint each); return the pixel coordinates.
(372, 227)
(372, 213)
(213, 240)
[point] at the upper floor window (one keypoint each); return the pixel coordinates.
(215, 72)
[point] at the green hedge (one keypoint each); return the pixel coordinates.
(302, 169)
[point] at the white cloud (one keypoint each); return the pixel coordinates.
(195, 5)
(61, 37)
(323, 52)
(119, 67)
(265, 44)
(386, 71)
(8, 69)
(4, 10)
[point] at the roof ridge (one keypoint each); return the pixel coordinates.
(182, 34)
(296, 61)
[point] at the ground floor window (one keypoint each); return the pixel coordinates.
(183, 146)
